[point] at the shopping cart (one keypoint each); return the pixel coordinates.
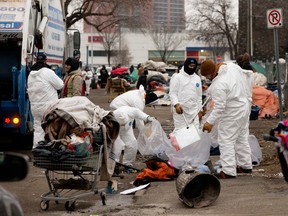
(72, 178)
(279, 135)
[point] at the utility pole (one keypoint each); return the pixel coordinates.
(92, 41)
(251, 28)
(120, 45)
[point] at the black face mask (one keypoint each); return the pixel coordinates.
(188, 70)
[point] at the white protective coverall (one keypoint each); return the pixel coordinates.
(42, 90)
(187, 91)
(230, 93)
(87, 77)
(126, 140)
(132, 98)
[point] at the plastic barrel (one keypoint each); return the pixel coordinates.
(197, 189)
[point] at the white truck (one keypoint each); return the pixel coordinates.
(27, 27)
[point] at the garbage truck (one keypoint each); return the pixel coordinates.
(27, 27)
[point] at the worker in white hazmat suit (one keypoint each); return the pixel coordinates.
(126, 140)
(186, 94)
(134, 98)
(231, 109)
(43, 84)
(87, 77)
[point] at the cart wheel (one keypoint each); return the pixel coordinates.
(70, 207)
(103, 197)
(44, 205)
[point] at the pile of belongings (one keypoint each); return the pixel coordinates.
(157, 170)
(266, 100)
(121, 72)
(66, 122)
(157, 77)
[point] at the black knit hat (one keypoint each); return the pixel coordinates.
(187, 62)
(41, 57)
(73, 63)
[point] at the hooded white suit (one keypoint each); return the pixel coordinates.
(187, 91)
(42, 90)
(132, 98)
(231, 96)
(125, 115)
(87, 77)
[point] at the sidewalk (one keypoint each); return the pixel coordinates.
(245, 195)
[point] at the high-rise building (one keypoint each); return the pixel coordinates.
(164, 15)
(169, 13)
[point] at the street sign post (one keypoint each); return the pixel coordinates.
(275, 21)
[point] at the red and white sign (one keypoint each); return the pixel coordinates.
(274, 18)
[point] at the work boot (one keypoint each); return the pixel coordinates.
(222, 175)
(242, 170)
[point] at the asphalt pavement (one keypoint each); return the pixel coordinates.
(248, 194)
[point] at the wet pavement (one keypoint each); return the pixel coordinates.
(244, 195)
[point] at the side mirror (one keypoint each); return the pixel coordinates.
(30, 44)
(76, 40)
(13, 166)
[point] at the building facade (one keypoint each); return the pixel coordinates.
(254, 35)
(166, 15)
(170, 13)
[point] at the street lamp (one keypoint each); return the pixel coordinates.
(163, 37)
(118, 27)
(87, 54)
(92, 41)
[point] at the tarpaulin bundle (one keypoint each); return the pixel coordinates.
(157, 170)
(266, 100)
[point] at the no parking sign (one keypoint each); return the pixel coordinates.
(274, 21)
(274, 18)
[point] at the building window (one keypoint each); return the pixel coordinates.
(175, 56)
(99, 53)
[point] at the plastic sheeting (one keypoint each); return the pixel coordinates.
(266, 100)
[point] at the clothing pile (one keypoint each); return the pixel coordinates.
(72, 116)
(122, 73)
(156, 78)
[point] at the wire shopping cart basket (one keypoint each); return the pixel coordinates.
(71, 178)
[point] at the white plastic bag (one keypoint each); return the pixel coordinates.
(152, 139)
(187, 135)
(191, 156)
(256, 153)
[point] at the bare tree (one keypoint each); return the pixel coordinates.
(217, 42)
(213, 21)
(110, 39)
(166, 42)
(124, 57)
(105, 13)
